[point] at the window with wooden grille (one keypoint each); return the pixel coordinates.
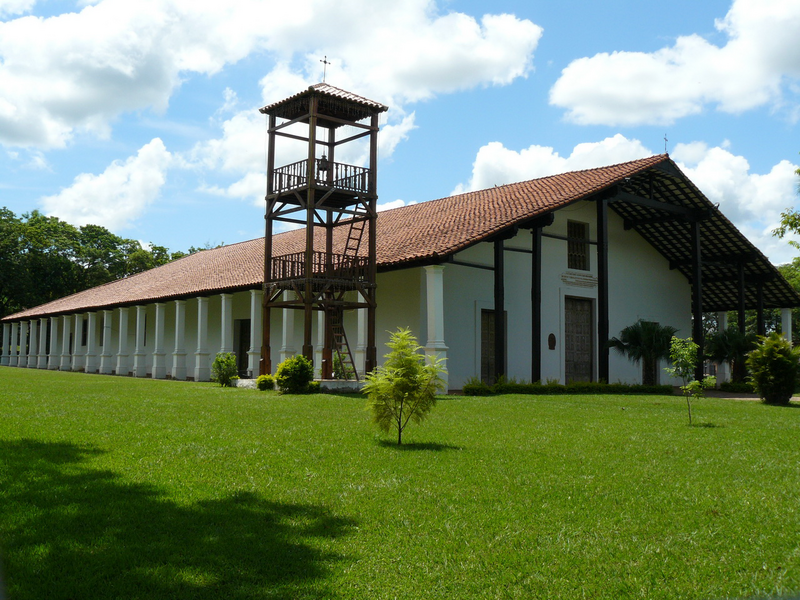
(578, 245)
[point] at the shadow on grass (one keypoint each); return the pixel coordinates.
(429, 446)
(707, 425)
(70, 531)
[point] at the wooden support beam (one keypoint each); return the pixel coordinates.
(690, 214)
(761, 328)
(697, 297)
(741, 297)
(499, 311)
(536, 304)
(629, 224)
(602, 290)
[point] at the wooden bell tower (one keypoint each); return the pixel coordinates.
(337, 204)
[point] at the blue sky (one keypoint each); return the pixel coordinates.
(142, 116)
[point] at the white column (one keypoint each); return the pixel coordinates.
(33, 349)
(786, 323)
(6, 344)
(77, 356)
(320, 343)
(723, 369)
(41, 362)
(123, 366)
(159, 356)
(23, 344)
(254, 352)
(54, 358)
(13, 355)
(92, 362)
(226, 323)
(287, 337)
(202, 367)
(434, 282)
(66, 348)
(139, 357)
(361, 344)
(179, 354)
(13, 351)
(106, 357)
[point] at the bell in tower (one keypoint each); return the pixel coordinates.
(337, 204)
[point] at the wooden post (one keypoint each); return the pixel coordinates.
(265, 364)
(697, 296)
(499, 311)
(602, 290)
(760, 325)
(742, 317)
(536, 304)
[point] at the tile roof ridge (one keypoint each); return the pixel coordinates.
(646, 164)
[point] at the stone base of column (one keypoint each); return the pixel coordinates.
(106, 364)
(53, 362)
(42, 362)
(139, 366)
(253, 357)
(178, 366)
(159, 366)
(202, 369)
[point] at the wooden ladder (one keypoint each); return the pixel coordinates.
(341, 347)
(354, 236)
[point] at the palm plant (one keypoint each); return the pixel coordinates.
(646, 342)
(731, 346)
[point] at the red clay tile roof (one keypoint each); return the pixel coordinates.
(325, 90)
(406, 236)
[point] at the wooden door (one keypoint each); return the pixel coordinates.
(578, 346)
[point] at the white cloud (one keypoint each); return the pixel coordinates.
(753, 201)
(497, 165)
(116, 197)
(15, 7)
(759, 65)
(394, 204)
(78, 71)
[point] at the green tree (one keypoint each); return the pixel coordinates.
(684, 354)
(731, 346)
(774, 366)
(644, 342)
(404, 388)
(224, 369)
(44, 258)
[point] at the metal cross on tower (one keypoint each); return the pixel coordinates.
(325, 64)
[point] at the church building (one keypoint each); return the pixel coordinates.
(527, 280)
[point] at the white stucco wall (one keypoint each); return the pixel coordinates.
(641, 286)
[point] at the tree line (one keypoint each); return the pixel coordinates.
(44, 258)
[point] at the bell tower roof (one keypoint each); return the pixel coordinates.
(340, 104)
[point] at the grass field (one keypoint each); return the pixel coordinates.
(122, 488)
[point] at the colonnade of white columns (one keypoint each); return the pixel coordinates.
(73, 340)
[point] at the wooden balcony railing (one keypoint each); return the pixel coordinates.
(349, 178)
(324, 266)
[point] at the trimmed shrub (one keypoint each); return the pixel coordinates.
(224, 369)
(774, 368)
(315, 387)
(737, 387)
(294, 374)
(476, 387)
(265, 382)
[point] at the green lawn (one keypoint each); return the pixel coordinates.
(122, 488)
